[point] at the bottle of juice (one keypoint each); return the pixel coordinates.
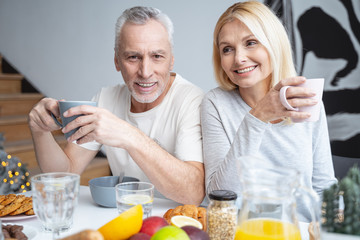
(267, 229)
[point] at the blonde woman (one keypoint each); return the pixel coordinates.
(244, 116)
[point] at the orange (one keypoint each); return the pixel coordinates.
(125, 225)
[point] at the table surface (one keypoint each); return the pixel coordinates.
(89, 215)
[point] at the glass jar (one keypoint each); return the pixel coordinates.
(222, 215)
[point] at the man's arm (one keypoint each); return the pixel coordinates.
(178, 180)
(50, 156)
(175, 179)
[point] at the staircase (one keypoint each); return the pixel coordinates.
(15, 106)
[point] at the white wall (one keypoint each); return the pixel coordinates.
(65, 47)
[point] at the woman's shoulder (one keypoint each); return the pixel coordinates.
(182, 86)
(219, 94)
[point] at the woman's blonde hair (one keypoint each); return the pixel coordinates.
(268, 30)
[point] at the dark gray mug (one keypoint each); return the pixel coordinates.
(63, 107)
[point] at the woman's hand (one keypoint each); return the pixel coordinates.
(269, 108)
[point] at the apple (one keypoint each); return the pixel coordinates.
(152, 224)
(170, 232)
(195, 233)
(140, 236)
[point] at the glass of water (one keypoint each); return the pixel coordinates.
(129, 194)
(55, 196)
(1, 233)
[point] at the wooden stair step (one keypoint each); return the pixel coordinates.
(98, 167)
(24, 150)
(16, 128)
(24, 145)
(18, 103)
(11, 76)
(10, 83)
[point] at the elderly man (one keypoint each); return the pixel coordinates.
(149, 126)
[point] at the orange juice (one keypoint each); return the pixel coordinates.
(267, 229)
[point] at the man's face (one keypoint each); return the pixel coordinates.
(145, 60)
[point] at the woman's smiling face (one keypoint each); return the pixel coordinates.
(244, 59)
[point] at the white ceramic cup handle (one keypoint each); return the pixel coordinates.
(284, 101)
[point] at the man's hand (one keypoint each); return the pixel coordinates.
(40, 119)
(100, 125)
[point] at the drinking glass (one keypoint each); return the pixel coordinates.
(129, 194)
(1, 233)
(55, 196)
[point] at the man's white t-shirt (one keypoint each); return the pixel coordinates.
(174, 124)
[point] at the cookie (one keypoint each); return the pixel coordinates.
(30, 212)
(25, 206)
(15, 204)
(8, 199)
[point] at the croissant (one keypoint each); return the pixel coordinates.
(198, 213)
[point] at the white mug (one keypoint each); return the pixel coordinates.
(317, 85)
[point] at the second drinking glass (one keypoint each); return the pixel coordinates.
(129, 194)
(55, 196)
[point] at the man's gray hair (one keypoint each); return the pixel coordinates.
(141, 15)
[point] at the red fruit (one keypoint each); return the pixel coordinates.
(140, 236)
(195, 233)
(152, 224)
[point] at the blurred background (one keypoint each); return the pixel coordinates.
(64, 50)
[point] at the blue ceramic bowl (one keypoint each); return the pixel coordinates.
(103, 189)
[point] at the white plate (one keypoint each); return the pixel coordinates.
(29, 231)
(19, 217)
(27, 194)
(16, 217)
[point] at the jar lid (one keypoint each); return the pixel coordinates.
(223, 195)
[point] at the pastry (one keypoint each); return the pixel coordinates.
(25, 206)
(85, 235)
(13, 204)
(30, 212)
(8, 199)
(2, 198)
(198, 213)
